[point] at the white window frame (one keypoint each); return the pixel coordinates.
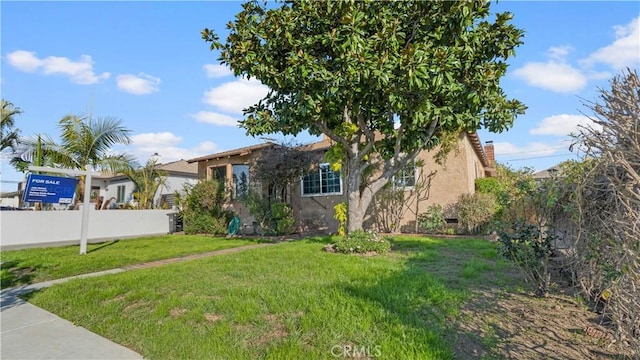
(415, 177)
(319, 171)
(124, 194)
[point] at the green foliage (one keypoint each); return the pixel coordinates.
(432, 220)
(202, 208)
(342, 215)
(8, 135)
(361, 242)
(530, 248)
(279, 166)
(384, 80)
(282, 215)
(488, 185)
(147, 180)
(475, 211)
(202, 223)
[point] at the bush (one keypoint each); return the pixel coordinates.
(432, 221)
(361, 242)
(201, 208)
(475, 211)
(200, 223)
(530, 248)
(282, 216)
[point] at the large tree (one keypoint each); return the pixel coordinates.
(383, 80)
(9, 135)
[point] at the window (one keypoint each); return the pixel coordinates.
(240, 181)
(322, 181)
(405, 177)
(120, 195)
(218, 173)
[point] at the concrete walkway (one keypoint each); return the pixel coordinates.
(29, 332)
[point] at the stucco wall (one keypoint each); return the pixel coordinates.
(51, 228)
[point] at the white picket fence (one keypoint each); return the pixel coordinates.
(22, 229)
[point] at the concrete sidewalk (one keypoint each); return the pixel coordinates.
(29, 332)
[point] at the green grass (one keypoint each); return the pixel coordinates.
(35, 265)
(288, 301)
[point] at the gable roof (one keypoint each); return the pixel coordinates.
(240, 151)
(179, 166)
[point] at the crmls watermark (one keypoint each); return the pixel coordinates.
(355, 351)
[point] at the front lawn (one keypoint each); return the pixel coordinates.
(35, 265)
(290, 301)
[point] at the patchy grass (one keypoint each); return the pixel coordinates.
(28, 266)
(290, 301)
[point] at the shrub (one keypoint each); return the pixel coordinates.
(530, 248)
(475, 211)
(361, 242)
(432, 220)
(282, 216)
(342, 215)
(201, 208)
(200, 223)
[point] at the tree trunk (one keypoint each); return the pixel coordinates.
(358, 201)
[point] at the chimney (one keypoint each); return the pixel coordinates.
(490, 153)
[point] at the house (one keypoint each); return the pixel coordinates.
(314, 197)
(555, 170)
(121, 188)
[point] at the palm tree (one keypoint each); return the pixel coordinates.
(9, 136)
(147, 180)
(86, 144)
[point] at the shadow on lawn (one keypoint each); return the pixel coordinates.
(442, 283)
(14, 274)
(104, 245)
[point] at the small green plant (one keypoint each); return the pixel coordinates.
(530, 248)
(432, 221)
(282, 215)
(341, 214)
(360, 242)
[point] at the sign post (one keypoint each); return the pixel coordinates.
(84, 229)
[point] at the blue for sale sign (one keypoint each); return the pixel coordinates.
(49, 189)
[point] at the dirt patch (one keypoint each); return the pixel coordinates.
(522, 326)
(177, 312)
(134, 306)
(211, 318)
(115, 299)
(275, 331)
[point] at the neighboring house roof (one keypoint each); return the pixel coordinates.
(240, 151)
(547, 173)
(180, 166)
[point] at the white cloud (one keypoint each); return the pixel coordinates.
(156, 139)
(559, 53)
(215, 118)
(624, 51)
(166, 144)
(217, 71)
(80, 72)
(138, 84)
(235, 96)
(531, 150)
(562, 125)
(552, 75)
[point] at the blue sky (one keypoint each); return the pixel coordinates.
(145, 63)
